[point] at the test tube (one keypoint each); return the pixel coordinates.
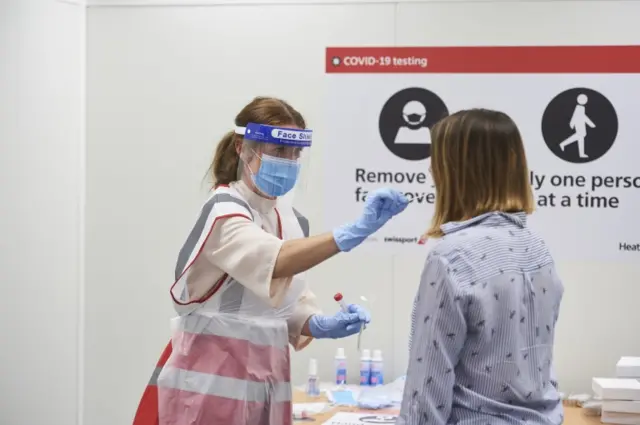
(340, 300)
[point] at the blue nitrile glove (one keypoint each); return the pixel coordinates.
(379, 207)
(341, 325)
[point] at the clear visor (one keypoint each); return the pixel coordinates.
(271, 159)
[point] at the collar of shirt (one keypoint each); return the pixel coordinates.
(490, 219)
(255, 201)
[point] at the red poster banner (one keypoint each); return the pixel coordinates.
(484, 60)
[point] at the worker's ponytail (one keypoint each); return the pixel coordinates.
(224, 168)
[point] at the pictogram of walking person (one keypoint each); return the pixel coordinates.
(579, 122)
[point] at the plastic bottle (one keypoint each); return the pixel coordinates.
(365, 367)
(377, 368)
(313, 385)
(341, 367)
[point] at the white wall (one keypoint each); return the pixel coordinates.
(164, 83)
(41, 187)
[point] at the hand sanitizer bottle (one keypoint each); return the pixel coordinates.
(377, 370)
(365, 367)
(313, 386)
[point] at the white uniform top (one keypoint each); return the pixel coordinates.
(247, 252)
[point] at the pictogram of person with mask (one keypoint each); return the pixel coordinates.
(414, 131)
(405, 121)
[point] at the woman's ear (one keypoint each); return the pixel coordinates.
(238, 146)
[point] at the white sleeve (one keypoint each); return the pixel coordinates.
(248, 254)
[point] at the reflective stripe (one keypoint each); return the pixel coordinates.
(148, 410)
(196, 232)
(231, 298)
(221, 386)
(176, 407)
(154, 376)
(256, 330)
(304, 223)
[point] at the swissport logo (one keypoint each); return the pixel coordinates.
(405, 240)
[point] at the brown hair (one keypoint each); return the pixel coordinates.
(261, 110)
(479, 165)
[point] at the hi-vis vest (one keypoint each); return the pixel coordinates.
(228, 359)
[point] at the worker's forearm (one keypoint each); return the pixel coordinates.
(305, 329)
(299, 255)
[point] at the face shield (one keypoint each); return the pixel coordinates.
(271, 157)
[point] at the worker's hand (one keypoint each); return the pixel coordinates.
(341, 325)
(379, 207)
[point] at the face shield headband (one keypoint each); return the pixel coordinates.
(276, 176)
(276, 135)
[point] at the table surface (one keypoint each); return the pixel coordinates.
(572, 415)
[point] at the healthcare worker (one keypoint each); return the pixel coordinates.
(240, 289)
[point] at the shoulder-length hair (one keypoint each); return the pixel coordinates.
(478, 164)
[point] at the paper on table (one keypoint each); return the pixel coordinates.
(361, 419)
(305, 410)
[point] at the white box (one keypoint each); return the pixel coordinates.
(616, 388)
(620, 418)
(620, 406)
(628, 367)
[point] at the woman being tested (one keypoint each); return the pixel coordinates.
(239, 286)
(486, 308)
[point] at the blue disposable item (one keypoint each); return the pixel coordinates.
(375, 398)
(396, 389)
(340, 325)
(276, 176)
(380, 206)
(342, 398)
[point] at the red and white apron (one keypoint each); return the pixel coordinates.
(228, 359)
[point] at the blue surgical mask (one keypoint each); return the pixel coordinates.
(276, 176)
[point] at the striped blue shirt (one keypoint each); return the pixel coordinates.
(483, 328)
